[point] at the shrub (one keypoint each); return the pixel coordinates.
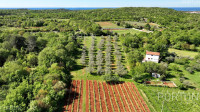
(181, 60)
(170, 59)
(185, 85)
(190, 69)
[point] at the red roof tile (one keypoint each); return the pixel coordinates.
(152, 53)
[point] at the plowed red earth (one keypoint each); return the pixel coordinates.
(104, 97)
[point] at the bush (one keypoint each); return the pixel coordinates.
(181, 60)
(170, 59)
(32, 59)
(142, 77)
(185, 85)
(190, 69)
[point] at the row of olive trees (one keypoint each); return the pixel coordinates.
(83, 56)
(96, 63)
(108, 70)
(120, 70)
(99, 57)
(91, 64)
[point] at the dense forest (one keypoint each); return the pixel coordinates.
(39, 48)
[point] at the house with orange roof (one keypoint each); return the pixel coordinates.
(152, 56)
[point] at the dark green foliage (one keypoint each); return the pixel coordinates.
(34, 64)
(3, 56)
(134, 57)
(147, 26)
(32, 59)
(144, 71)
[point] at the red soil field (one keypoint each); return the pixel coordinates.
(104, 97)
(129, 100)
(71, 96)
(142, 100)
(105, 23)
(132, 98)
(118, 96)
(81, 97)
(92, 102)
(123, 98)
(76, 98)
(109, 105)
(97, 100)
(115, 105)
(135, 96)
(87, 96)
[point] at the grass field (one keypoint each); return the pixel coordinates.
(131, 31)
(166, 99)
(10, 28)
(108, 25)
(141, 23)
(184, 53)
(192, 78)
(136, 23)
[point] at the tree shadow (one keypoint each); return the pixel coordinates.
(186, 78)
(68, 99)
(127, 76)
(95, 74)
(77, 67)
(114, 82)
(170, 76)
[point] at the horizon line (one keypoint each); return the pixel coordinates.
(99, 7)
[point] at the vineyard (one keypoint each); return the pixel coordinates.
(105, 97)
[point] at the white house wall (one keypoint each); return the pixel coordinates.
(153, 58)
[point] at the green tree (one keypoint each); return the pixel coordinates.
(147, 26)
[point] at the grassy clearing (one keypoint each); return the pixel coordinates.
(192, 78)
(166, 99)
(4, 28)
(131, 31)
(108, 25)
(184, 53)
(141, 23)
(136, 23)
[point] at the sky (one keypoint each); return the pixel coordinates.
(97, 3)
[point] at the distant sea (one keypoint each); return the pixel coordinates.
(186, 8)
(85, 8)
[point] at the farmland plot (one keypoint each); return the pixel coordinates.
(115, 97)
(105, 97)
